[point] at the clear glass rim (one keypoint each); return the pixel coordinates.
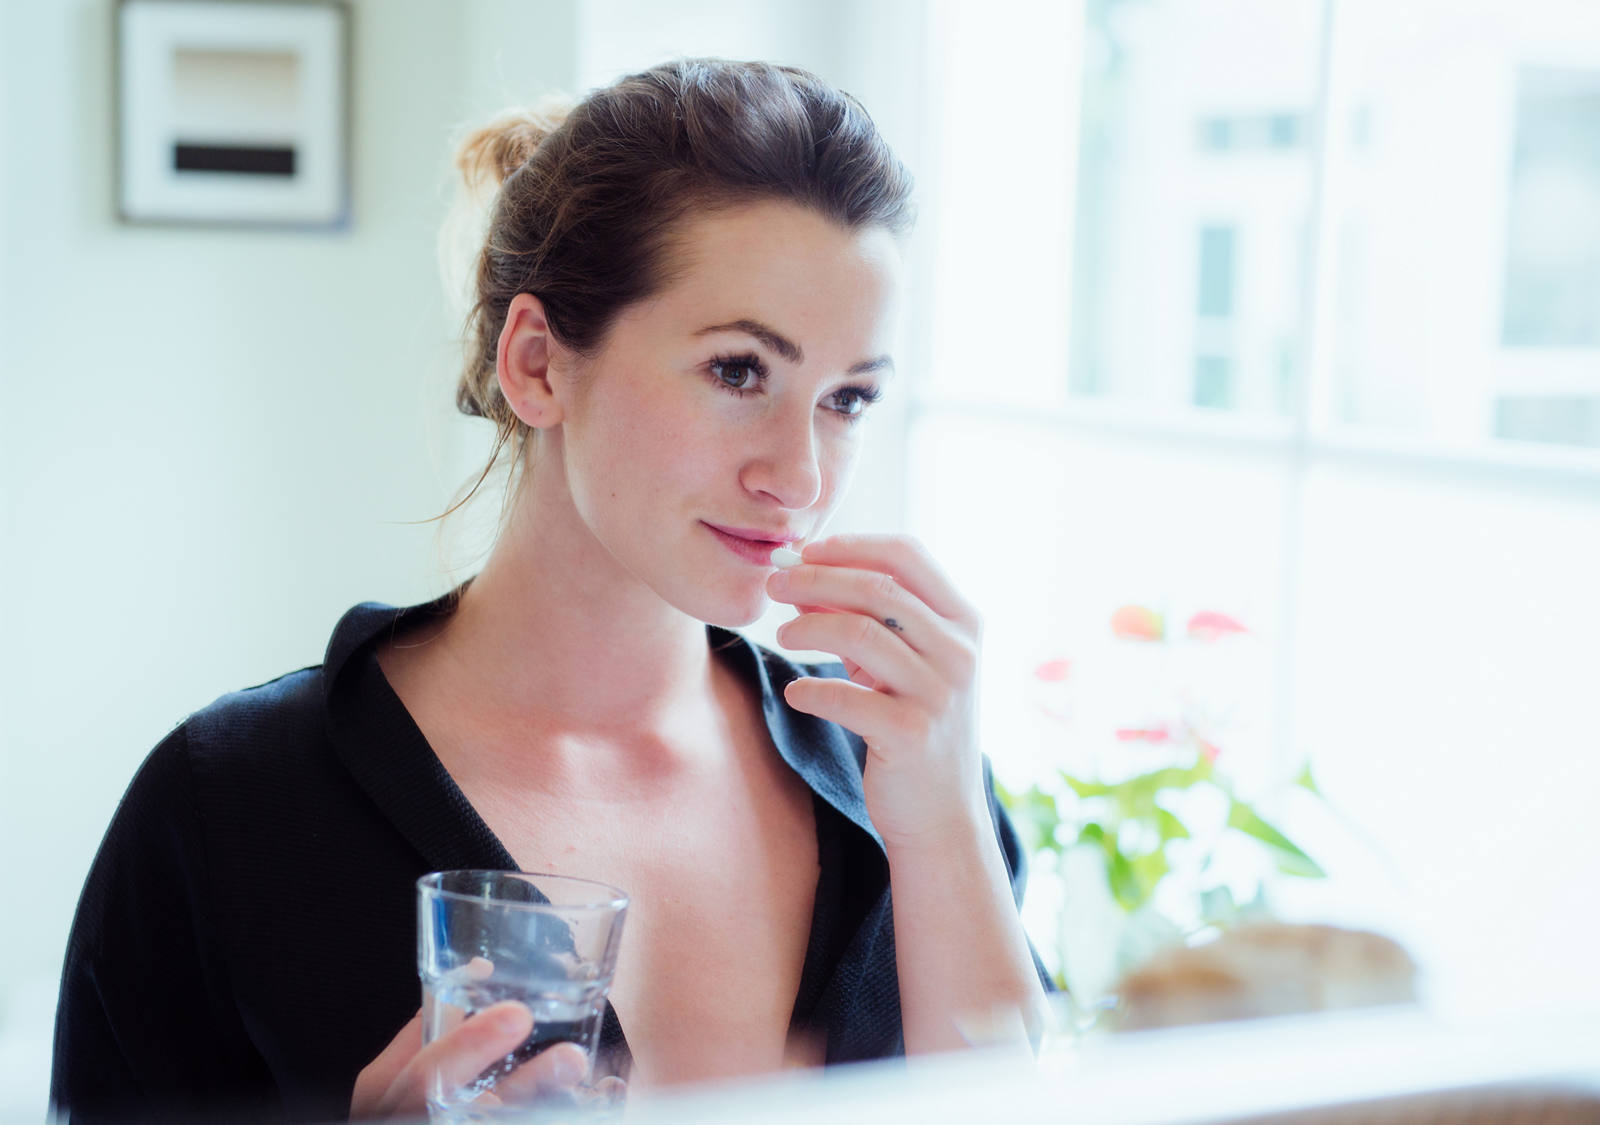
(610, 898)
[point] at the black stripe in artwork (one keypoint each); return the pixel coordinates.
(249, 159)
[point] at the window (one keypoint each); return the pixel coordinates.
(1192, 155)
(1315, 348)
(1213, 372)
(1552, 297)
(1550, 332)
(1465, 191)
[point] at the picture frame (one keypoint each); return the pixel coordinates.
(233, 113)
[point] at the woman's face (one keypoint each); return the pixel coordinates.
(722, 415)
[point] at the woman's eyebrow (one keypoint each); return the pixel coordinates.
(868, 366)
(787, 348)
(768, 335)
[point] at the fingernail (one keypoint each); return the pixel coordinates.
(779, 582)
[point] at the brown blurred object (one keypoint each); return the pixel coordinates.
(1266, 969)
(1506, 1105)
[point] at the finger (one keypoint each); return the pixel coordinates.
(876, 717)
(610, 1090)
(905, 558)
(857, 674)
(878, 595)
(379, 1074)
(848, 589)
(485, 1039)
(456, 1058)
(866, 642)
(560, 1066)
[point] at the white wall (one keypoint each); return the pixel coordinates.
(207, 435)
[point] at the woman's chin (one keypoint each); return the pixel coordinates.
(731, 613)
(733, 620)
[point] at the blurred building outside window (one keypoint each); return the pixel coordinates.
(1287, 310)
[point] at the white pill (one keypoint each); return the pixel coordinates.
(783, 558)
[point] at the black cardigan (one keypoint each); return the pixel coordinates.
(245, 942)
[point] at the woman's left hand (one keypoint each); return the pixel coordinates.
(909, 642)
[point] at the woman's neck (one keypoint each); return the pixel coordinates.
(555, 632)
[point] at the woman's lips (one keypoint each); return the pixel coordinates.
(758, 551)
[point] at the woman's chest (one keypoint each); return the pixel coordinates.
(722, 885)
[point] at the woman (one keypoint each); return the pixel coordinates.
(684, 306)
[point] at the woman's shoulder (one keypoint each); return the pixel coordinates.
(292, 710)
(282, 707)
(278, 729)
(219, 763)
(258, 767)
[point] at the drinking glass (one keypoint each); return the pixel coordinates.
(549, 941)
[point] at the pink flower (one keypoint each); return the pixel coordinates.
(1208, 625)
(1053, 671)
(1136, 623)
(1143, 734)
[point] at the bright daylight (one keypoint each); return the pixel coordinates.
(763, 562)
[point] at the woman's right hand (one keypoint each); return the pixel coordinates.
(396, 1082)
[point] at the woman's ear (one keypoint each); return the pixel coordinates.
(523, 363)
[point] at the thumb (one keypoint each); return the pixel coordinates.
(457, 1058)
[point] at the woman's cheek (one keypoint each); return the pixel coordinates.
(839, 470)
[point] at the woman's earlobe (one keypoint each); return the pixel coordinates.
(522, 363)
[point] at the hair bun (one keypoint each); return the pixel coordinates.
(494, 152)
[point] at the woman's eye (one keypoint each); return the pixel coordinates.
(739, 374)
(852, 402)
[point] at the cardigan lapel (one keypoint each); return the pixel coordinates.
(827, 758)
(376, 739)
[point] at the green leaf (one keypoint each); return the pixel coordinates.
(1132, 802)
(1302, 866)
(1148, 870)
(1136, 797)
(1306, 781)
(1092, 833)
(1289, 858)
(1174, 777)
(1086, 788)
(1120, 875)
(1170, 826)
(1036, 816)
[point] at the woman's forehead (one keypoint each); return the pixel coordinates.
(783, 265)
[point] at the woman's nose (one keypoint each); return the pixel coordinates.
(785, 463)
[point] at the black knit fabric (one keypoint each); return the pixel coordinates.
(246, 939)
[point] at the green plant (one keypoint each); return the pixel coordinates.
(1160, 837)
(1132, 826)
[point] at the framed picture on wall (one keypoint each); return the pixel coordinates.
(233, 112)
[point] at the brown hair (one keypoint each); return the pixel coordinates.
(588, 197)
